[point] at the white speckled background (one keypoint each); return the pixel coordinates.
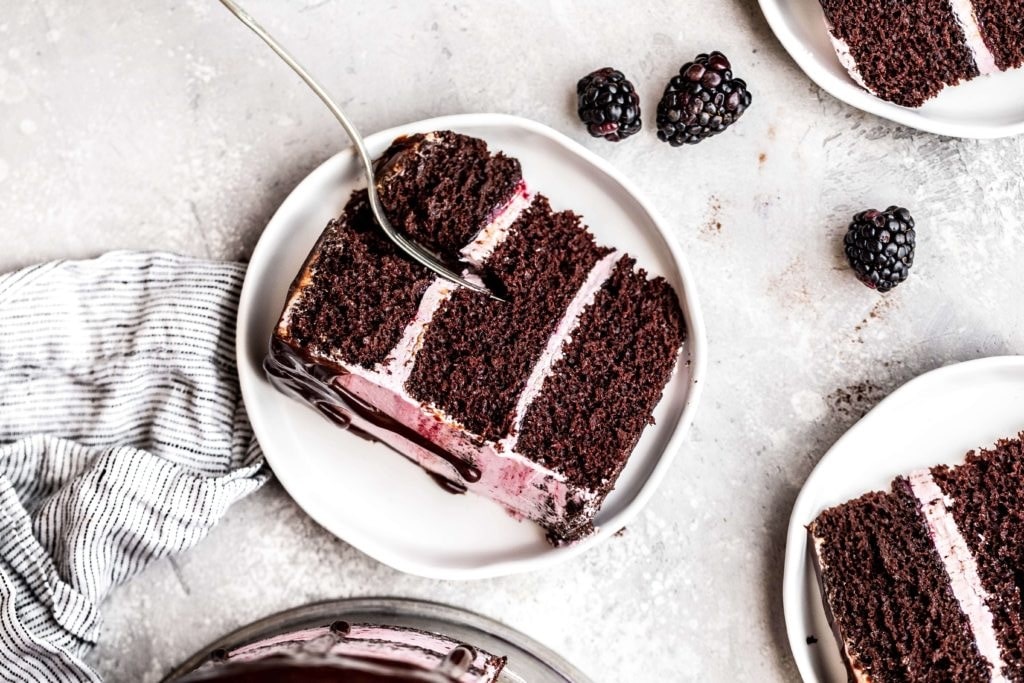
(166, 125)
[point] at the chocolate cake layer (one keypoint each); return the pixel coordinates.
(1002, 28)
(355, 294)
(890, 600)
(441, 188)
(906, 51)
(601, 392)
(475, 362)
(987, 495)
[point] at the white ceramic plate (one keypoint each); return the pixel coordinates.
(800, 26)
(374, 498)
(936, 418)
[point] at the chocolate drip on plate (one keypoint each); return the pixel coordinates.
(447, 484)
(317, 385)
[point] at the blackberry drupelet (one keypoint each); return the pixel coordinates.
(608, 103)
(880, 247)
(703, 100)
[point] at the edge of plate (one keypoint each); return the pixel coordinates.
(855, 96)
(696, 342)
(796, 536)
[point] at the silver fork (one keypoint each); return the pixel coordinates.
(418, 253)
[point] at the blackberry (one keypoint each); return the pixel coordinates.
(880, 247)
(607, 102)
(703, 100)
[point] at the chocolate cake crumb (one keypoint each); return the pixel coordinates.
(600, 395)
(362, 292)
(855, 400)
(479, 354)
(441, 189)
(1002, 28)
(907, 52)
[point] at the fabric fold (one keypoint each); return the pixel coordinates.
(123, 439)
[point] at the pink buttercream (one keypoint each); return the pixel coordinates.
(968, 20)
(399, 362)
(960, 566)
(556, 343)
(495, 232)
(392, 644)
(519, 484)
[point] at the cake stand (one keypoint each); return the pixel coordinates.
(528, 660)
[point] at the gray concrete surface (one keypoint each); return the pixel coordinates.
(165, 125)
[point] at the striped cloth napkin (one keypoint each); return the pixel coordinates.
(123, 439)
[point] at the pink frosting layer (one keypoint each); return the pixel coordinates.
(495, 232)
(968, 20)
(520, 485)
(961, 567)
(391, 644)
(601, 271)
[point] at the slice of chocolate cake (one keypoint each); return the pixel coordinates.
(924, 583)
(908, 51)
(570, 366)
(888, 597)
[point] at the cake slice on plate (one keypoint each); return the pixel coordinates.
(535, 402)
(923, 583)
(908, 51)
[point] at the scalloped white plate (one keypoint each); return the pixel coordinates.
(800, 27)
(374, 498)
(935, 418)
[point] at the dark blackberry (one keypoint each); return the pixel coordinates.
(607, 102)
(880, 247)
(703, 100)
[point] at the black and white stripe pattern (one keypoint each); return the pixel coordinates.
(123, 438)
